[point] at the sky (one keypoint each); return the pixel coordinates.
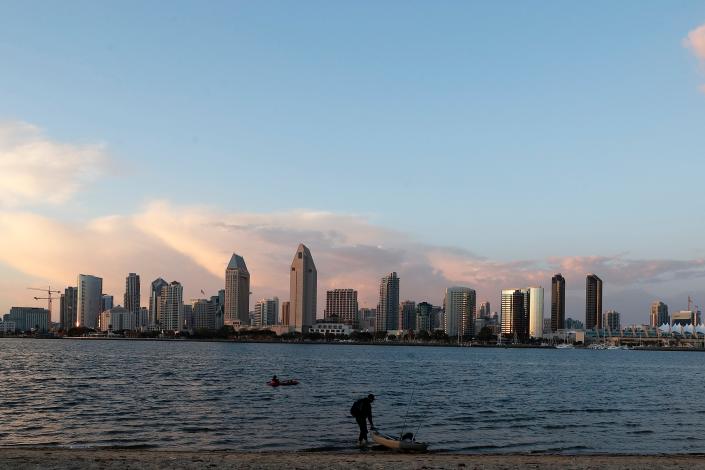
(482, 144)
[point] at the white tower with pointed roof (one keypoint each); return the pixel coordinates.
(303, 279)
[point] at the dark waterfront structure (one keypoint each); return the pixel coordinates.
(69, 308)
(388, 307)
(557, 302)
(515, 314)
(132, 293)
(593, 302)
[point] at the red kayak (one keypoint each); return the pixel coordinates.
(283, 383)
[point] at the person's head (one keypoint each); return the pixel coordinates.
(371, 397)
(274, 378)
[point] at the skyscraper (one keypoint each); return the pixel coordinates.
(388, 307)
(593, 302)
(171, 310)
(286, 313)
(557, 302)
(155, 301)
(424, 312)
(460, 311)
(132, 293)
(266, 312)
(515, 314)
(106, 302)
(612, 322)
(303, 280)
(484, 310)
(407, 315)
(237, 292)
(536, 312)
(341, 304)
(90, 294)
(659, 314)
(69, 308)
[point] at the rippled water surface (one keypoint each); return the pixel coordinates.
(188, 395)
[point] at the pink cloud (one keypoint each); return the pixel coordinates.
(193, 245)
(696, 41)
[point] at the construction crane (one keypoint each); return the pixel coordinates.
(48, 298)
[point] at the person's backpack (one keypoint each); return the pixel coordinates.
(356, 408)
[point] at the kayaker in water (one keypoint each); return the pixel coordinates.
(275, 380)
(361, 410)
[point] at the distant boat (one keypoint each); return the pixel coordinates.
(408, 444)
(565, 346)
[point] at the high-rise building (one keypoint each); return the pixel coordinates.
(536, 312)
(132, 293)
(612, 323)
(424, 313)
(188, 317)
(341, 306)
(155, 301)
(388, 307)
(171, 309)
(515, 314)
(106, 302)
(69, 308)
(286, 313)
(407, 315)
(237, 292)
(367, 319)
(484, 310)
(659, 314)
(207, 314)
(460, 311)
(593, 302)
(303, 282)
(266, 312)
(557, 302)
(571, 324)
(90, 296)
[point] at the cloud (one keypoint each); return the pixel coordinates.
(695, 41)
(36, 170)
(193, 244)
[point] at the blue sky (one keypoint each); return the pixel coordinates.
(512, 130)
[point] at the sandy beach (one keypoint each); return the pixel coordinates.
(61, 459)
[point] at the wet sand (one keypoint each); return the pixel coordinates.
(61, 459)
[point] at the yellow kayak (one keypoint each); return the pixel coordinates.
(403, 445)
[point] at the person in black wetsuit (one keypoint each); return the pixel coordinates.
(362, 411)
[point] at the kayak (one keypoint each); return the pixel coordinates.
(402, 445)
(283, 383)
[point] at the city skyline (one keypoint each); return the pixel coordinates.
(341, 112)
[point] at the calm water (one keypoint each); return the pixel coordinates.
(180, 395)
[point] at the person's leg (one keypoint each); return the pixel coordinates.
(363, 429)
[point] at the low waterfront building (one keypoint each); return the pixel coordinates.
(29, 318)
(328, 328)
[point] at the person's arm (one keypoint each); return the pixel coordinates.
(369, 416)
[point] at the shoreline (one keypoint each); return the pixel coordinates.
(21, 458)
(334, 343)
